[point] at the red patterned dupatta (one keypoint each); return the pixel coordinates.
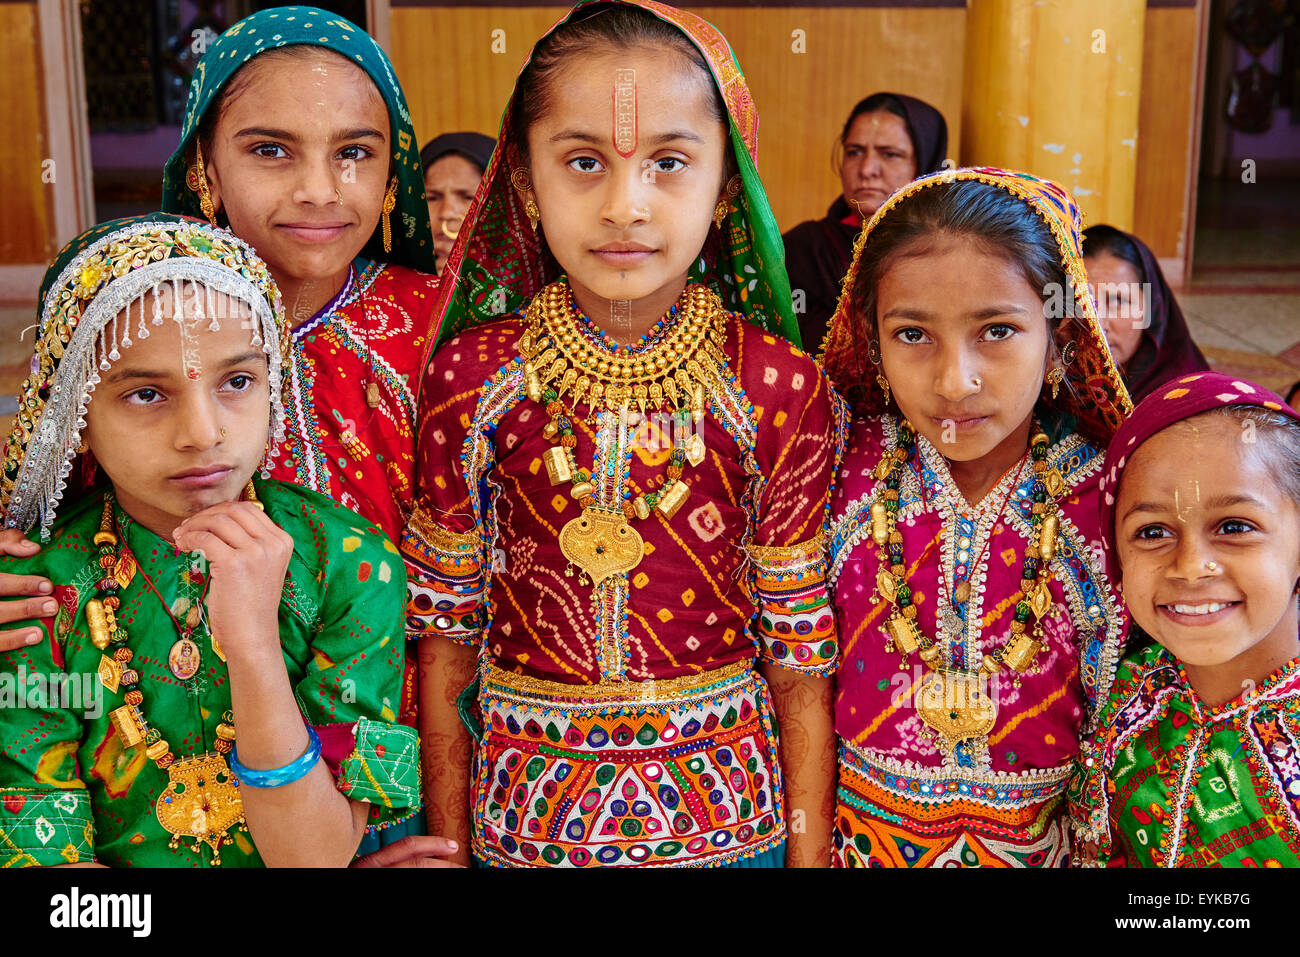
(349, 396)
(499, 263)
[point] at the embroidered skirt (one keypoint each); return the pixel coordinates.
(681, 772)
(889, 816)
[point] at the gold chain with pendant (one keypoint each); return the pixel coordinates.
(677, 370)
(201, 800)
(950, 701)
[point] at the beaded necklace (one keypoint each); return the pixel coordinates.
(675, 362)
(201, 800)
(949, 700)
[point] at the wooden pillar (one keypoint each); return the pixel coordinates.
(1052, 88)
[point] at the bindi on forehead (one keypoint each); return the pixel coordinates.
(625, 125)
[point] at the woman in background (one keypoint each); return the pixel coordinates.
(453, 167)
(888, 140)
(1144, 327)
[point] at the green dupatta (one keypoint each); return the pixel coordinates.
(498, 261)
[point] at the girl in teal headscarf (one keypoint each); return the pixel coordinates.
(286, 143)
(297, 135)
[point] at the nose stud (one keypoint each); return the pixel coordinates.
(1212, 566)
(977, 382)
(223, 433)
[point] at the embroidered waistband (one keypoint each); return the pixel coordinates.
(528, 691)
(944, 785)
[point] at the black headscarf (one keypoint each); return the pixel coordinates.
(925, 124)
(1166, 350)
(818, 252)
(475, 147)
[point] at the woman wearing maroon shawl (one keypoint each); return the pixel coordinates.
(1144, 327)
(888, 140)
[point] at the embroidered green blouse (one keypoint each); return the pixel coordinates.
(70, 791)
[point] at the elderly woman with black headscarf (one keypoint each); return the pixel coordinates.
(888, 140)
(453, 167)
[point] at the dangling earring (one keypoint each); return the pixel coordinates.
(196, 178)
(720, 212)
(523, 184)
(873, 354)
(1055, 376)
(723, 208)
(390, 203)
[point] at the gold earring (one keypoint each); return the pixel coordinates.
(1054, 378)
(884, 386)
(390, 203)
(250, 495)
(197, 180)
(532, 212)
(720, 212)
(732, 190)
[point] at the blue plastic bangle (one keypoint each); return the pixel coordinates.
(278, 777)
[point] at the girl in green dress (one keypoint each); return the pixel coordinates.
(218, 680)
(1197, 760)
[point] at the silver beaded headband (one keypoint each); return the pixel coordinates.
(98, 333)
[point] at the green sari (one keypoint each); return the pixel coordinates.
(70, 791)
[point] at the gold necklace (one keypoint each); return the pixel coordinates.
(951, 701)
(556, 353)
(678, 369)
(201, 800)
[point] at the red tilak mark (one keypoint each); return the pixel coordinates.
(193, 373)
(625, 118)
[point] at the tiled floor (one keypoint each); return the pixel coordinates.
(1243, 305)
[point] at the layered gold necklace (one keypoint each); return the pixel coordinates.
(951, 701)
(564, 368)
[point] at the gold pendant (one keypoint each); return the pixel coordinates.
(695, 449)
(183, 659)
(954, 706)
(886, 585)
(110, 673)
(128, 724)
(961, 592)
(201, 802)
(601, 543)
(1040, 600)
(1021, 651)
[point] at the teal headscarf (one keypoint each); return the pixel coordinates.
(311, 26)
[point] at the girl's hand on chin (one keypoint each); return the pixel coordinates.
(248, 555)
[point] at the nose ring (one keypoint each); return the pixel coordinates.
(337, 194)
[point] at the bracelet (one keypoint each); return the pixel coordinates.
(278, 777)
